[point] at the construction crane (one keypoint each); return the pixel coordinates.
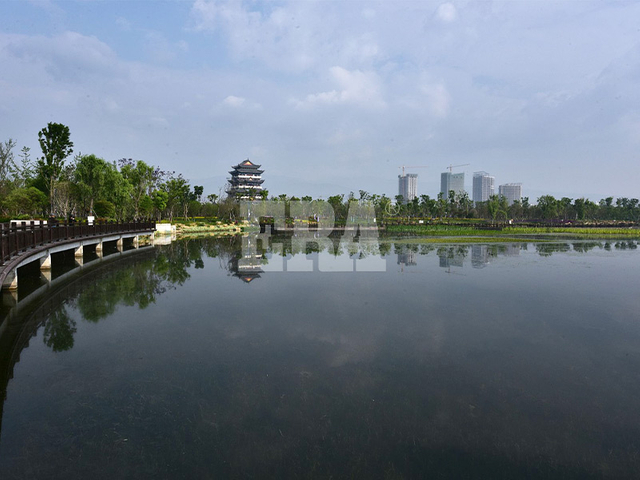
(451, 167)
(416, 166)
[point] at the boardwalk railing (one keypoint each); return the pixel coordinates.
(19, 237)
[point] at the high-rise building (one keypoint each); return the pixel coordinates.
(451, 181)
(408, 186)
(246, 181)
(511, 191)
(483, 186)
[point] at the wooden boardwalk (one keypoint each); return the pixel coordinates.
(25, 242)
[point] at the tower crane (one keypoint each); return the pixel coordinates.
(410, 166)
(451, 167)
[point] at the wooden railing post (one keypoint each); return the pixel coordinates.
(2, 237)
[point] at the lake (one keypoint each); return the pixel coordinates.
(241, 357)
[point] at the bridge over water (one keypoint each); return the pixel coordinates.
(24, 242)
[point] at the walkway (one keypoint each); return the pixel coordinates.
(30, 241)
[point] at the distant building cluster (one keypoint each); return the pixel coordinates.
(483, 186)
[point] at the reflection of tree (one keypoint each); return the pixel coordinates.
(546, 249)
(624, 245)
(59, 330)
(584, 247)
(139, 282)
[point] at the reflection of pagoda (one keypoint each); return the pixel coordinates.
(248, 266)
(245, 182)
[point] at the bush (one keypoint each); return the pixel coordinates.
(104, 208)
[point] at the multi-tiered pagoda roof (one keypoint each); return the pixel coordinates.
(245, 182)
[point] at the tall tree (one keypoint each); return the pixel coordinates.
(90, 177)
(7, 163)
(56, 145)
(141, 177)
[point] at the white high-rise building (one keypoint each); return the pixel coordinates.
(408, 186)
(511, 191)
(451, 181)
(483, 186)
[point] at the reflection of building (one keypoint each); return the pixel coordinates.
(407, 258)
(511, 191)
(480, 256)
(452, 256)
(248, 266)
(451, 181)
(408, 186)
(483, 186)
(512, 250)
(245, 182)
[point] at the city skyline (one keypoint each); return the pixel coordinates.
(333, 96)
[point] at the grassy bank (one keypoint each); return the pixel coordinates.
(514, 232)
(203, 227)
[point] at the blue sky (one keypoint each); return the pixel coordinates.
(333, 96)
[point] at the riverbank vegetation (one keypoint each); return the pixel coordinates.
(84, 185)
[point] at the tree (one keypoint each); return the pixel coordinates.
(178, 190)
(56, 146)
(197, 192)
(90, 178)
(548, 206)
(160, 199)
(26, 200)
(141, 177)
(7, 163)
(495, 205)
(24, 172)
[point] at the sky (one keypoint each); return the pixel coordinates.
(336, 96)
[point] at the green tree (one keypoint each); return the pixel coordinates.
(178, 190)
(90, 178)
(497, 205)
(28, 200)
(197, 192)
(24, 172)
(141, 177)
(7, 162)
(160, 199)
(56, 145)
(105, 209)
(548, 206)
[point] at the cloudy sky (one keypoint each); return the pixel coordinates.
(333, 96)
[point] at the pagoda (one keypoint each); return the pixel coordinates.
(245, 182)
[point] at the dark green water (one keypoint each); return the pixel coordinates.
(193, 361)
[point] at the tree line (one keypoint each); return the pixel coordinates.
(129, 189)
(496, 209)
(125, 189)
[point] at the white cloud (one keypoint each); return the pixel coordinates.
(447, 13)
(233, 101)
(70, 56)
(354, 87)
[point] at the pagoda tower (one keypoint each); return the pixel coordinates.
(245, 182)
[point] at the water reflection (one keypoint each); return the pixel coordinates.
(167, 359)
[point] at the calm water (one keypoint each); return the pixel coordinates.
(201, 359)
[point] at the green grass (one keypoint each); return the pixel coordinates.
(515, 232)
(447, 240)
(582, 232)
